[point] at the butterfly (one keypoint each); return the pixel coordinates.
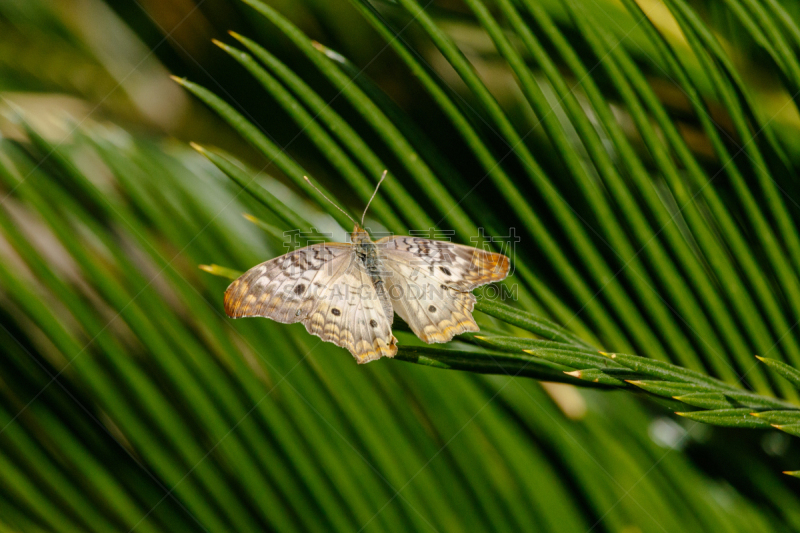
(347, 293)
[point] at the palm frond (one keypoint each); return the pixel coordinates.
(651, 184)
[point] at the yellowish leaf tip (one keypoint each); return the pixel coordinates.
(574, 373)
(318, 45)
(755, 414)
(176, 79)
(530, 352)
(235, 35)
(776, 426)
(760, 358)
(223, 272)
(680, 413)
(633, 382)
(197, 147)
(481, 337)
(220, 44)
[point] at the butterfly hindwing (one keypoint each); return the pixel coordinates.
(433, 311)
(350, 314)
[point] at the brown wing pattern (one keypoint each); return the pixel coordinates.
(430, 282)
(325, 287)
(455, 265)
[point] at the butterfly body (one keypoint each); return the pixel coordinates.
(367, 254)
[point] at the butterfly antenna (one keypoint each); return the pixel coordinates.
(383, 176)
(331, 201)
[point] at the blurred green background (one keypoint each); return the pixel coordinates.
(645, 152)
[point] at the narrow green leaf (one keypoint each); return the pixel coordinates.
(788, 372)
(779, 417)
(529, 322)
(596, 376)
(666, 371)
(668, 388)
(791, 429)
(276, 233)
(576, 360)
(735, 418)
(220, 271)
(484, 362)
(516, 344)
(729, 400)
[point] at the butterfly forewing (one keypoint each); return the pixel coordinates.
(456, 265)
(279, 287)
